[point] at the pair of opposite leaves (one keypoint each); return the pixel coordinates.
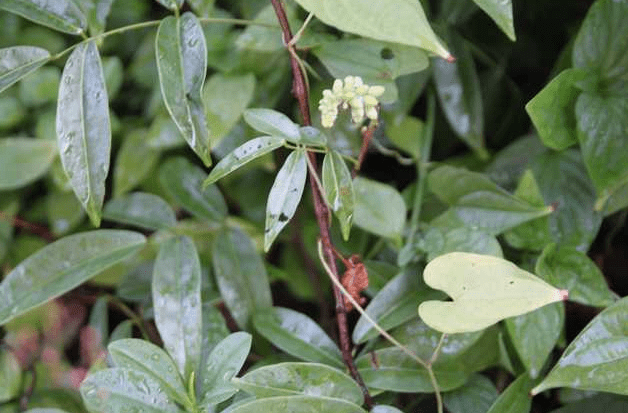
(484, 290)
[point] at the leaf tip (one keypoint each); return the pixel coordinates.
(561, 295)
(450, 58)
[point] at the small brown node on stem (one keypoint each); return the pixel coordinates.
(355, 280)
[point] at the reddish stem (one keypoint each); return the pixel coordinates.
(300, 92)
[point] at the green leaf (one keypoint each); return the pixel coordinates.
(438, 241)
(308, 379)
(291, 404)
(460, 96)
(242, 155)
(515, 399)
(273, 123)
(404, 23)
(379, 208)
(141, 209)
(177, 302)
(297, 335)
(478, 202)
(476, 396)
(501, 13)
(393, 305)
(563, 181)
(223, 363)
(65, 212)
(10, 376)
(377, 63)
(552, 110)
(240, 274)
(9, 207)
(183, 182)
(24, 160)
(312, 136)
(226, 97)
(83, 129)
(339, 190)
(535, 234)
(61, 266)
(18, 61)
(391, 369)
(597, 359)
(97, 12)
(602, 123)
(604, 402)
(380, 408)
(535, 334)
(144, 356)
(573, 270)
(134, 163)
(484, 290)
(61, 15)
(406, 134)
(285, 195)
(171, 4)
(601, 46)
(121, 389)
(181, 55)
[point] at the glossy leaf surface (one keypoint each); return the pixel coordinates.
(478, 202)
(183, 181)
(62, 15)
(141, 209)
(535, 334)
(339, 191)
(242, 155)
(597, 359)
(18, 61)
(405, 23)
(484, 290)
(289, 404)
(394, 304)
(476, 396)
(573, 270)
(563, 181)
(439, 241)
(226, 98)
(144, 356)
(377, 63)
(240, 275)
(515, 399)
(458, 88)
(223, 363)
(171, 4)
(61, 266)
(297, 335)
(308, 379)
(602, 122)
(181, 55)
(501, 12)
(134, 163)
(285, 195)
(552, 110)
(177, 302)
(121, 389)
(272, 123)
(24, 160)
(379, 208)
(83, 127)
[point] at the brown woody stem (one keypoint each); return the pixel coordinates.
(300, 92)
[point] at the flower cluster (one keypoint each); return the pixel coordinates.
(352, 93)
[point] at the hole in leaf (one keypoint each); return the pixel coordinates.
(386, 54)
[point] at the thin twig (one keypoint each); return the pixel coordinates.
(300, 91)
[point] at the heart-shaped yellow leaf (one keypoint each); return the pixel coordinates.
(484, 289)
